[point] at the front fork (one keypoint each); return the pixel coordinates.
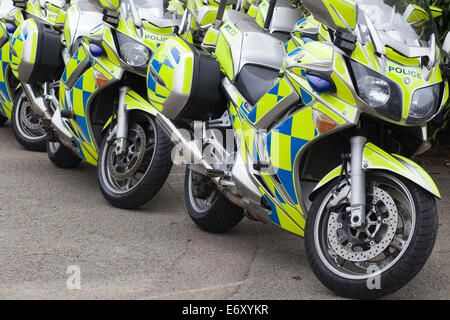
(122, 122)
(358, 182)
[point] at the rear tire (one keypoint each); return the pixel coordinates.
(215, 214)
(25, 124)
(130, 180)
(61, 156)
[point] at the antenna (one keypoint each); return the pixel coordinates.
(220, 13)
(270, 14)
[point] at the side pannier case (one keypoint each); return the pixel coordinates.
(35, 52)
(183, 82)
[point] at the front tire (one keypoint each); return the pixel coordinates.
(61, 156)
(354, 265)
(26, 124)
(208, 209)
(132, 179)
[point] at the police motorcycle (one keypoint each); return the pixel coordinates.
(323, 135)
(5, 101)
(14, 103)
(100, 116)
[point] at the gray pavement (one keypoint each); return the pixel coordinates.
(51, 219)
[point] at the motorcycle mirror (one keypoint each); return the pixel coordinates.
(446, 46)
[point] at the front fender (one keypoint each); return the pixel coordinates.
(375, 158)
(133, 101)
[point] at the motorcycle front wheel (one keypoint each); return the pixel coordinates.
(132, 178)
(210, 210)
(26, 124)
(386, 252)
(61, 156)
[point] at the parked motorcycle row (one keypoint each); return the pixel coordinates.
(307, 123)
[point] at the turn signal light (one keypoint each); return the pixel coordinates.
(100, 78)
(323, 122)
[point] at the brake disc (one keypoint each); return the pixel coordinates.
(377, 234)
(124, 166)
(27, 117)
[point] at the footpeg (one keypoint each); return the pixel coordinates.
(259, 166)
(215, 173)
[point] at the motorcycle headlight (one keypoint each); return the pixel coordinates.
(375, 91)
(379, 92)
(424, 104)
(132, 52)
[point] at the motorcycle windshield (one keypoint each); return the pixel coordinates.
(398, 23)
(147, 8)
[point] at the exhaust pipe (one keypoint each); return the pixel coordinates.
(251, 200)
(177, 137)
(37, 101)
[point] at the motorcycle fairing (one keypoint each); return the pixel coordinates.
(176, 6)
(110, 4)
(204, 14)
(284, 19)
(374, 158)
(282, 213)
(79, 97)
(53, 14)
(242, 42)
(134, 101)
(76, 95)
(76, 65)
(319, 58)
(275, 102)
(83, 67)
(290, 137)
(405, 72)
(152, 35)
(253, 10)
(336, 14)
(6, 99)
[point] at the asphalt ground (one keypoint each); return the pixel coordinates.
(56, 229)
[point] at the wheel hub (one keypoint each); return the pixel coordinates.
(202, 186)
(368, 241)
(124, 165)
(30, 119)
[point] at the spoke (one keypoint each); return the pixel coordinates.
(127, 183)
